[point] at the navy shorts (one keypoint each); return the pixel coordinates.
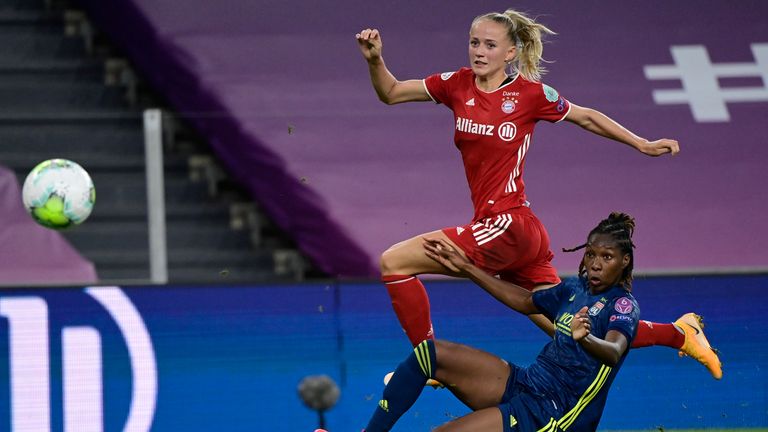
(523, 411)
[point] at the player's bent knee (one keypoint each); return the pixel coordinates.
(384, 264)
(388, 263)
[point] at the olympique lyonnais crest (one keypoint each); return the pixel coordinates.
(596, 308)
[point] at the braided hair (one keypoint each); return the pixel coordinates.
(620, 226)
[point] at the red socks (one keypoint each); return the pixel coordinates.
(411, 304)
(649, 334)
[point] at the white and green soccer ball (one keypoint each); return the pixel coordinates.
(58, 193)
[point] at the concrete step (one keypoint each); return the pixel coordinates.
(10, 16)
(98, 161)
(22, 146)
(38, 5)
(115, 116)
(53, 96)
(184, 257)
(92, 162)
(57, 65)
(202, 212)
(118, 201)
(115, 188)
(51, 137)
(34, 70)
(94, 235)
(38, 41)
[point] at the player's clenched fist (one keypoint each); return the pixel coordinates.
(660, 147)
(369, 41)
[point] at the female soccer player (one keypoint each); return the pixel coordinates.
(596, 319)
(496, 103)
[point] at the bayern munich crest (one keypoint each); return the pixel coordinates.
(508, 106)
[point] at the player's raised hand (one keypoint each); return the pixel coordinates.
(661, 147)
(369, 41)
(445, 254)
(581, 326)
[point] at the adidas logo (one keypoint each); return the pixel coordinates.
(471, 102)
(383, 404)
(459, 230)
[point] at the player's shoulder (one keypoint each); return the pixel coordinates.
(574, 283)
(457, 75)
(539, 89)
(625, 303)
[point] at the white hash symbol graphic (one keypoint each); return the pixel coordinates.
(699, 76)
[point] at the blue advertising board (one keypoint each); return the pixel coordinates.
(201, 358)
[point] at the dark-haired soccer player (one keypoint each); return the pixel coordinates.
(596, 318)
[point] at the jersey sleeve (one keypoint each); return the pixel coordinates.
(548, 301)
(552, 106)
(438, 87)
(624, 317)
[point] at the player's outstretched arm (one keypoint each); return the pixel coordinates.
(517, 298)
(600, 124)
(388, 88)
(608, 351)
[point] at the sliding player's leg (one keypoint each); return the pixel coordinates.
(404, 387)
(477, 378)
(488, 385)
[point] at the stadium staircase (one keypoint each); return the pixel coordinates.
(65, 92)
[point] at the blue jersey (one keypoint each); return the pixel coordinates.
(563, 372)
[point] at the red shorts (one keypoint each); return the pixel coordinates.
(513, 245)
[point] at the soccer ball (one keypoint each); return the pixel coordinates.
(58, 193)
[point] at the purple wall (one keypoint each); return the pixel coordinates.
(283, 94)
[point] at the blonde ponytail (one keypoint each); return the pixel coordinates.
(526, 34)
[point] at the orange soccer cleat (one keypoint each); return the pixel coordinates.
(696, 344)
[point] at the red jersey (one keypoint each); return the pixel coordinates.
(494, 132)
